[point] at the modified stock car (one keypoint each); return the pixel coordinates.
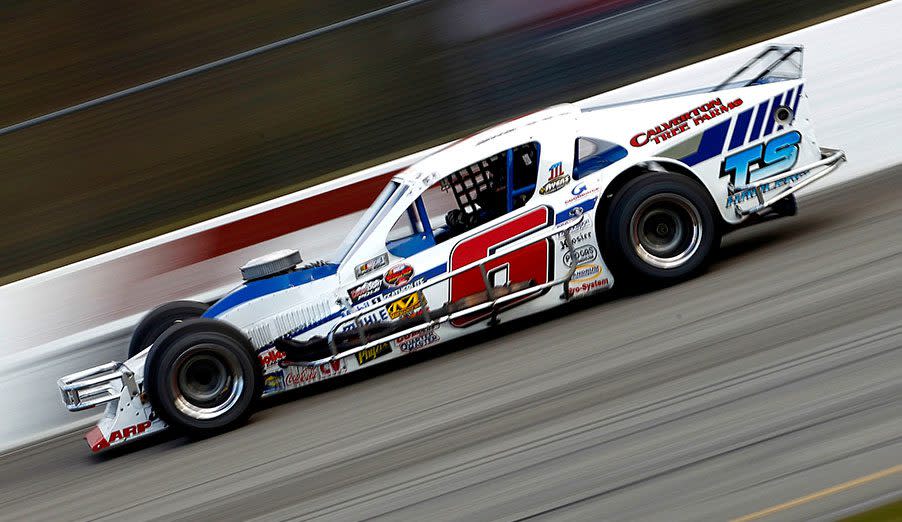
(513, 220)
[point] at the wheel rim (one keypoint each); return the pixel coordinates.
(666, 230)
(207, 381)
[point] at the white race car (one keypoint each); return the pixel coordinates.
(511, 221)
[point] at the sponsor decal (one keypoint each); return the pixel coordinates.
(371, 354)
(365, 290)
(375, 263)
(761, 161)
(580, 192)
(576, 239)
(130, 431)
(557, 179)
(331, 369)
(682, 123)
(583, 224)
(273, 382)
(587, 287)
(749, 194)
(376, 316)
(399, 275)
(584, 273)
(404, 306)
(418, 340)
(302, 375)
(583, 254)
(271, 357)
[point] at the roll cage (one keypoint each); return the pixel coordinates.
(482, 191)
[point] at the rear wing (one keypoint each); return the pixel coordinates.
(776, 63)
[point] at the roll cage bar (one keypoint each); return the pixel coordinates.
(466, 186)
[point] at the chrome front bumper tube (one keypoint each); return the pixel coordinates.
(95, 386)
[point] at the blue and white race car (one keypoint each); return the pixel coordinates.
(513, 220)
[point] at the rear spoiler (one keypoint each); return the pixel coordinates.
(775, 63)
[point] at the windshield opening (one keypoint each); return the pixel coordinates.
(384, 201)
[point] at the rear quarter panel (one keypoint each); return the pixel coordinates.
(712, 133)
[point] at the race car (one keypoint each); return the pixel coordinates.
(527, 215)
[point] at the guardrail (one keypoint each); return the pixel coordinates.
(80, 315)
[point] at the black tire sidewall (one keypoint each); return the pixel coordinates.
(619, 251)
(175, 341)
(159, 320)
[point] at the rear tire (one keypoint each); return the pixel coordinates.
(660, 229)
(202, 376)
(159, 320)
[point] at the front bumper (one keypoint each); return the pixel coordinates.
(96, 386)
(128, 414)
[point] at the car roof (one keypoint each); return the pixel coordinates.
(529, 127)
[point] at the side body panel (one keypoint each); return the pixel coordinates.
(729, 136)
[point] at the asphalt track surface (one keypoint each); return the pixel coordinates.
(757, 386)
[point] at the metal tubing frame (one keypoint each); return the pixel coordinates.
(430, 322)
(830, 158)
(96, 384)
(787, 50)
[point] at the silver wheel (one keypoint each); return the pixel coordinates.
(207, 381)
(666, 230)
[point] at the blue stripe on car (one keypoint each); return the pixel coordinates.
(711, 145)
(795, 106)
(255, 289)
(769, 127)
(742, 126)
(759, 121)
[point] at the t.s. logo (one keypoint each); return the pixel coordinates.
(778, 155)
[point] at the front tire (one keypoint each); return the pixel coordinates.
(202, 376)
(159, 320)
(660, 229)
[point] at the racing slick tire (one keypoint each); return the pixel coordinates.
(660, 229)
(202, 377)
(159, 319)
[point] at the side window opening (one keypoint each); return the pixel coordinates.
(467, 198)
(592, 155)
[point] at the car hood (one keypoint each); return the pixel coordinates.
(251, 290)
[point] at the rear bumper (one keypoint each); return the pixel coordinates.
(784, 184)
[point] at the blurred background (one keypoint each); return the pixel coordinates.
(368, 81)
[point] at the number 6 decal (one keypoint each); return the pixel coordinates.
(530, 263)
